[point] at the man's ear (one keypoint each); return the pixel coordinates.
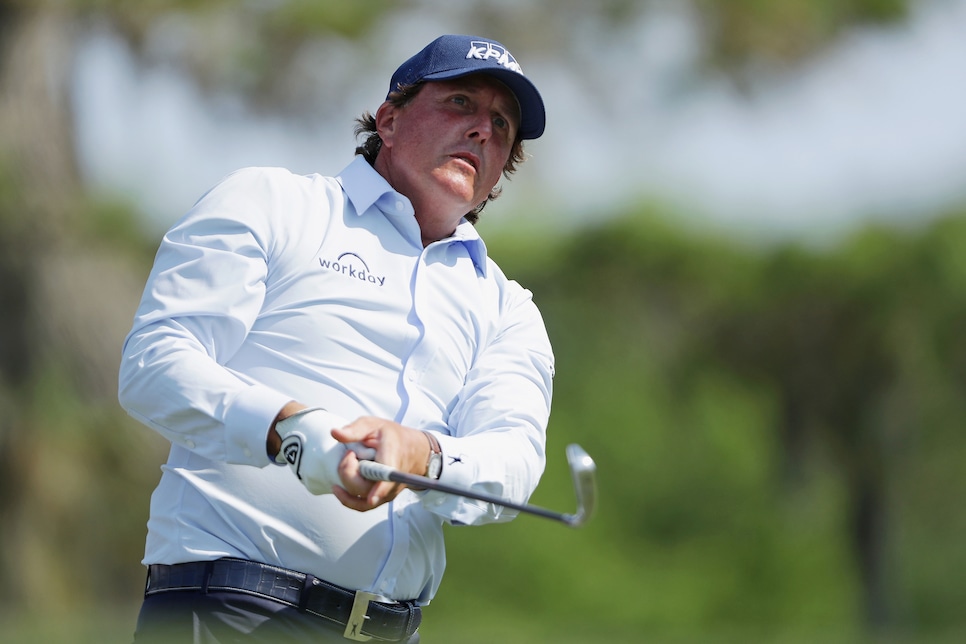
(386, 122)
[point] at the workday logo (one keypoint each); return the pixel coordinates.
(353, 267)
(483, 50)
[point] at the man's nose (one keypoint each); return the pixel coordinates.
(481, 129)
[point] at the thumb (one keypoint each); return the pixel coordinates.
(352, 437)
(350, 433)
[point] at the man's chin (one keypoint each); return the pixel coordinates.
(461, 191)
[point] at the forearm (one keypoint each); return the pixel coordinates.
(168, 382)
(273, 441)
(507, 464)
(496, 435)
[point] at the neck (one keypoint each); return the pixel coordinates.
(430, 236)
(437, 218)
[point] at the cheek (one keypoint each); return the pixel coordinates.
(495, 173)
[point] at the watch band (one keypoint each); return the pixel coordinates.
(434, 464)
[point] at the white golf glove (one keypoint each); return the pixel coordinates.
(309, 449)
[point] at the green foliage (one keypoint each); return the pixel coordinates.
(776, 430)
(776, 433)
(299, 18)
(740, 35)
(115, 227)
(82, 499)
(785, 31)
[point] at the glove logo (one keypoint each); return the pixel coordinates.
(291, 451)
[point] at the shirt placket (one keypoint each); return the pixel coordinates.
(414, 366)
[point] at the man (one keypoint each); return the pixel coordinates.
(292, 324)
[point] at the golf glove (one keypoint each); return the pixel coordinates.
(309, 448)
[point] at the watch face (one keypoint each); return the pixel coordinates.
(435, 466)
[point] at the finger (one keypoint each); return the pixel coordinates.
(352, 479)
(349, 500)
(376, 492)
(361, 451)
(356, 431)
(364, 502)
(383, 492)
(353, 441)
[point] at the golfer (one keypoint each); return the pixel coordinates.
(292, 325)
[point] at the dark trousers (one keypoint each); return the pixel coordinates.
(195, 617)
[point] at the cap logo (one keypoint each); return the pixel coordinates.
(482, 50)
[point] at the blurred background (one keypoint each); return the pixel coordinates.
(745, 227)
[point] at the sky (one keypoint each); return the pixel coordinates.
(874, 128)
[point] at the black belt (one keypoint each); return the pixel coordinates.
(362, 617)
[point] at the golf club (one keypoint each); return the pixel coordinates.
(582, 470)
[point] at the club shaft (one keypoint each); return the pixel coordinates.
(416, 481)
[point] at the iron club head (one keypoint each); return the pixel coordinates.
(582, 469)
(584, 473)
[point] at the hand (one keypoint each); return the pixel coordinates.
(308, 447)
(400, 447)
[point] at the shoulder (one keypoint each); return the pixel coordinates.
(270, 179)
(270, 189)
(266, 201)
(513, 298)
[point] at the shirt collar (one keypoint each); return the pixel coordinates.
(366, 188)
(467, 235)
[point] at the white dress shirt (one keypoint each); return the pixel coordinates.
(278, 287)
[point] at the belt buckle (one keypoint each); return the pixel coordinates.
(357, 618)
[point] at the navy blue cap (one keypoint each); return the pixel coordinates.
(450, 57)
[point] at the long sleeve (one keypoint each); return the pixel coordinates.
(277, 287)
(204, 292)
(499, 422)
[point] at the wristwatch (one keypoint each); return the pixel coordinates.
(434, 465)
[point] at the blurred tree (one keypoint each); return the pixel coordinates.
(36, 181)
(257, 49)
(850, 358)
(814, 336)
(746, 32)
(66, 304)
(70, 272)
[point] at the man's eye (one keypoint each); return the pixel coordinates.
(500, 122)
(459, 100)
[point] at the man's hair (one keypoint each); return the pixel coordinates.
(404, 94)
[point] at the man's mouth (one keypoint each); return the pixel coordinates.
(468, 158)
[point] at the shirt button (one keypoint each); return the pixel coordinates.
(399, 206)
(190, 443)
(248, 453)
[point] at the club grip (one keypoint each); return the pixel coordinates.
(362, 452)
(374, 471)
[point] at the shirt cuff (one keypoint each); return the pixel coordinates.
(247, 421)
(456, 470)
(460, 472)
